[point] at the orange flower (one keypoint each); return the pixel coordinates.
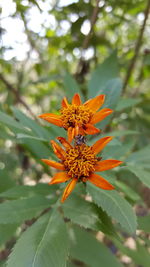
(78, 118)
(78, 163)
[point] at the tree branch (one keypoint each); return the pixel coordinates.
(13, 90)
(137, 47)
(88, 36)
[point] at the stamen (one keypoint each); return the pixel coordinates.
(80, 161)
(75, 115)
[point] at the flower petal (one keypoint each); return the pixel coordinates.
(95, 103)
(54, 164)
(69, 188)
(64, 142)
(101, 115)
(107, 164)
(76, 100)
(70, 134)
(100, 182)
(81, 131)
(60, 153)
(64, 103)
(101, 143)
(52, 118)
(59, 177)
(90, 129)
(76, 130)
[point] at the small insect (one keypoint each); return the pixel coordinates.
(80, 139)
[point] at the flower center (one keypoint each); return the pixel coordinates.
(75, 115)
(80, 161)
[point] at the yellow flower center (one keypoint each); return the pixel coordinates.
(75, 115)
(80, 161)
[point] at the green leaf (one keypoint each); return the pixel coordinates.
(6, 232)
(143, 223)
(87, 214)
(5, 181)
(21, 191)
(127, 103)
(9, 121)
(71, 86)
(129, 192)
(37, 148)
(44, 244)
(38, 130)
(23, 209)
(115, 206)
(140, 256)
(103, 73)
(140, 173)
(139, 157)
(23, 136)
(86, 248)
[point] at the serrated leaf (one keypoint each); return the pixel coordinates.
(17, 211)
(115, 206)
(44, 244)
(21, 191)
(86, 248)
(87, 214)
(142, 174)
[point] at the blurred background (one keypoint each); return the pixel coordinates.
(51, 48)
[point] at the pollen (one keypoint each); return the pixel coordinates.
(75, 115)
(80, 161)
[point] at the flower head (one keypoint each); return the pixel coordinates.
(79, 162)
(78, 118)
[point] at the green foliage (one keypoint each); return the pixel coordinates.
(101, 77)
(23, 209)
(7, 231)
(95, 255)
(88, 215)
(55, 57)
(25, 191)
(44, 243)
(116, 207)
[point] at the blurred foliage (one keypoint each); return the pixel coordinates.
(55, 64)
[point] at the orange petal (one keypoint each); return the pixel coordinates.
(54, 164)
(101, 143)
(76, 100)
(69, 188)
(59, 177)
(100, 182)
(101, 115)
(90, 129)
(76, 130)
(81, 131)
(64, 142)
(64, 103)
(95, 103)
(107, 164)
(52, 118)
(60, 153)
(71, 132)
